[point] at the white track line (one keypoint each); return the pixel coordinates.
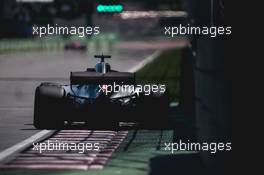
(25, 143)
(145, 61)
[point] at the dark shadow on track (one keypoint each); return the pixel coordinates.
(131, 140)
(185, 164)
(181, 163)
(28, 124)
(170, 123)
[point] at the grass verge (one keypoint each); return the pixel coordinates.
(165, 69)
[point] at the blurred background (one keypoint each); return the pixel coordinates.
(133, 20)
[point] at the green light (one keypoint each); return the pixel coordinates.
(109, 8)
(119, 8)
(100, 8)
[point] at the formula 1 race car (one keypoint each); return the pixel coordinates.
(101, 98)
(75, 45)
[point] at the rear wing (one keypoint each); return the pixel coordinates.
(99, 78)
(102, 57)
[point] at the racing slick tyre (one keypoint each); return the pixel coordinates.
(48, 106)
(154, 109)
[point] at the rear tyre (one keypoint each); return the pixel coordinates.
(48, 106)
(154, 109)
